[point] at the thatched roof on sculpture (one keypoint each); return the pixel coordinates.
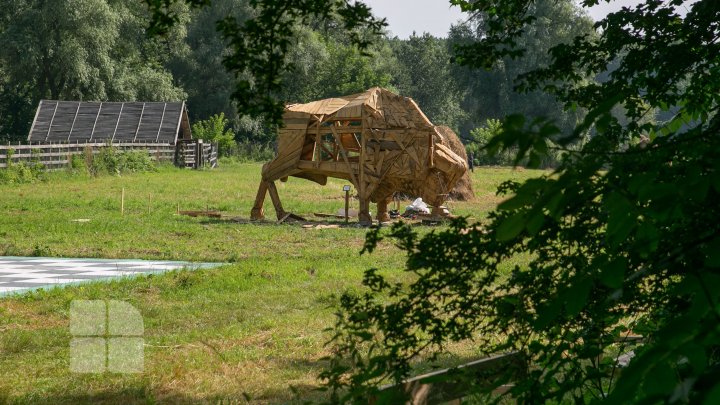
(396, 111)
(83, 121)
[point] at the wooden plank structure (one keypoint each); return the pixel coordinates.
(451, 385)
(379, 141)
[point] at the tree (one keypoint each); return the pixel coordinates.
(51, 50)
(622, 238)
(258, 48)
(200, 71)
(491, 93)
(425, 75)
(214, 129)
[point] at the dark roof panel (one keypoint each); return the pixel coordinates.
(75, 121)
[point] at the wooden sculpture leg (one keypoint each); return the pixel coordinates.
(364, 215)
(276, 200)
(382, 207)
(257, 212)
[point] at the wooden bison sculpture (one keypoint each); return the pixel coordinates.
(379, 141)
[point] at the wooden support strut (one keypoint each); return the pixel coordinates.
(345, 157)
(364, 214)
(258, 213)
(276, 200)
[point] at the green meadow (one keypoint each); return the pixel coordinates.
(252, 330)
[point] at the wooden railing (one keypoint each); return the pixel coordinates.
(450, 385)
(59, 155)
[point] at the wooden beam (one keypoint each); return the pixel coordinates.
(118, 122)
(92, 133)
(139, 123)
(257, 211)
(276, 200)
(57, 103)
(345, 157)
(162, 118)
(455, 383)
(318, 141)
(72, 126)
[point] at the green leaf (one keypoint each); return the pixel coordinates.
(621, 221)
(535, 222)
(548, 313)
(660, 380)
(696, 356)
(520, 200)
(647, 239)
(613, 273)
(510, 228)
(577, 296)
(554, 205)
(713, 253)
(713, 397)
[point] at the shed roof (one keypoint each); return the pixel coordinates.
(82, 121)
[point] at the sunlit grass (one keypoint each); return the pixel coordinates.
(247, 330)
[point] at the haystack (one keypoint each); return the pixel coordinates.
(463, 190)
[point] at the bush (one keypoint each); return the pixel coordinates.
(112, 161)
(214, 129)
(481, 137)
(483, 156)
(23, 172)
(248, 151)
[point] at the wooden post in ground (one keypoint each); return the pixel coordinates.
(347, 203)
(122, 201)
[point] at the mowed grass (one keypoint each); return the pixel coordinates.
(243, 332)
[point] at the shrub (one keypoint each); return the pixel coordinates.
(112, 161)
(247, 151)
(214, 129)
(22, 172)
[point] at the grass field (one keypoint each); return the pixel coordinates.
(246, 331)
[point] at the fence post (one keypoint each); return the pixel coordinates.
(199, 154)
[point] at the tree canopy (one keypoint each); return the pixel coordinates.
(49, 50)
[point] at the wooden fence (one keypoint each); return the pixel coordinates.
(196, 154)
(451, 385)
(59, 155)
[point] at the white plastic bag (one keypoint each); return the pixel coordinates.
(419, 206)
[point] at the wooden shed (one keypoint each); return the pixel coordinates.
(114, 122)
(65, 128)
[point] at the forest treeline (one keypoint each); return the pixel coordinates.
(98, 50)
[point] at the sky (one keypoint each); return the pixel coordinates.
(436, 16)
